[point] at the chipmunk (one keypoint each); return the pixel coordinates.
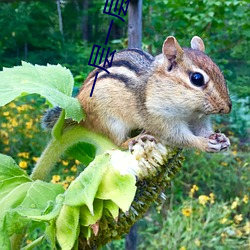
(170, 96)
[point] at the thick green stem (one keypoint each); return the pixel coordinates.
(57, 147)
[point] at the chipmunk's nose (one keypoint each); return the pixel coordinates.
(227, 108)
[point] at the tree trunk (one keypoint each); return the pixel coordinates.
(135, 24)
(59, 16)
(131, 238)
(85, 21)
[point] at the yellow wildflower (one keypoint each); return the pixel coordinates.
(211, 195)
(197, 242)
(183, 248)
(203, 199)
(224, 164)
(24, 154)
(73, 168)
(12, 105)
(6, 113)
(77, 162)
(245, 199)
(223, 235)
(14, 123)
(35, 159)
(55, 178)
(235, 203)
(238, 233)
(247, 227)
(70, 178)
(234, 152)
(193, 190)
(65, 163)
(65, 185)
(23, 164)
(29, 124)
(223, 220)
(238, 218)
(187, 211)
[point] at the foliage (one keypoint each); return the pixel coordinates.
(103, 202)
(199, 223)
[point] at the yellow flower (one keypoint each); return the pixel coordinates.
(77, 162)
(65, 163)
(182, 248)
(193, 190)
(70, 178)
(235, 203)
(197, 242)
(223, 235)
(24, 154)
(238, 218)
(224, 164)
(65, 185)
(245, 199)
(203, 199)
(73, 168)
(55, 178)
(223, 220)
(14, 123)
(187, 211)
(211, 195)
(234, 152)
(6, 113)
(35, 159)
(4, 134)
(23, 164)
(29, 124)
(247, 227)
(238, 233)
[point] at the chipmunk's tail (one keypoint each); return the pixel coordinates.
(50, 118)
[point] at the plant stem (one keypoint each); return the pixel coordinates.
(57, 147)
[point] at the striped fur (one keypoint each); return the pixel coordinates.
(156, 95)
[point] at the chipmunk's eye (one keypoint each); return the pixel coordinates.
(197, 79)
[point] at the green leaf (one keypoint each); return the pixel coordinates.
(112, 208)
(67, 226)
(9, 168)
(83, 189)
(118, 188)
(86, 218)
(39, 194)
(83, 152)
(53, 82)
(6, 186)
(34, 243)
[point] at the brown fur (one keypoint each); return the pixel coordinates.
(156, 95)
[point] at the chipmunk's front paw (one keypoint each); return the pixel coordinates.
(218, 142)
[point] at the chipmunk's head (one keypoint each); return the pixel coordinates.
(198, 76)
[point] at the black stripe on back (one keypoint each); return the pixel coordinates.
(118, 77)
(126, 64)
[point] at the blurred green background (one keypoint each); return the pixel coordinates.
(207, 206)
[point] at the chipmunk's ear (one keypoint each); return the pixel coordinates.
(172, 50)
(197, 43)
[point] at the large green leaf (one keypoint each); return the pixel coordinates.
(118, 188)
(9, 168)
(83, 189)
(53, 82)
(67, 226)
(83, 152)
(20, 197)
